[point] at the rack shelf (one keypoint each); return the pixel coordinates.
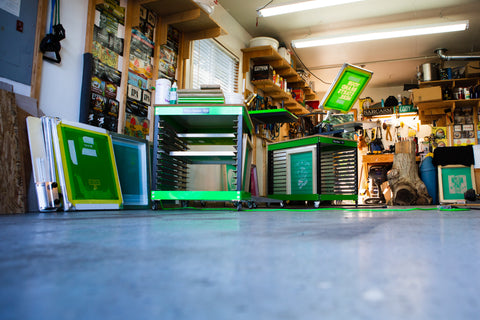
(177, 128)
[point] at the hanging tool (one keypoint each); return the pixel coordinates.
(361, 139)
(397, 134)
(50, 45)
(376, 146)
(388, 134)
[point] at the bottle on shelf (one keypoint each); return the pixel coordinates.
(173, 93)
(447, 95)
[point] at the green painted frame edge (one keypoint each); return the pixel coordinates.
(201, 195)
(213, 110)
(312, 140)
(313, 197)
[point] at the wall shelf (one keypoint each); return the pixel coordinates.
(267, 54)
(442, 112)
(186, 16)
(430, 111)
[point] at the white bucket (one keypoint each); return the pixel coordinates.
(264, 41)
(162, 91)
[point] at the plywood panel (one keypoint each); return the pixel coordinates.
(12, 186)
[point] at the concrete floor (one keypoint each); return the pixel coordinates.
(224, 264)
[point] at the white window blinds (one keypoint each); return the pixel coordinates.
(213, 64)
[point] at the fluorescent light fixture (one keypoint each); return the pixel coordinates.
(291, 7)
(386, 34)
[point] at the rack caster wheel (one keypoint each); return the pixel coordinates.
(156, 205)
(184, 203)
(238, 205)
(283, 204)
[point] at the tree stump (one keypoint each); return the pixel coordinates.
(405, 183)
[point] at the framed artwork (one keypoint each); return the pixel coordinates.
(453, 181)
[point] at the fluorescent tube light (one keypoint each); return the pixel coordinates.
(300, 6)
(387, 34)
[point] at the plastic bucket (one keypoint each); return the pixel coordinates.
(162, 91)
(428, 174)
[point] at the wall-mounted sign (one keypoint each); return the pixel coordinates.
(369, 112)
(346, 89)
(407, 108)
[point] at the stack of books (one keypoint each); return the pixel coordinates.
(207, 94)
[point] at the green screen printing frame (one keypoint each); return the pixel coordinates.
(346, 89)
(454, 181)
(87, 167)
(302, 170)
(132, 156)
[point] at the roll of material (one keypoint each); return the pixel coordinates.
(430, 72)
(162, 91)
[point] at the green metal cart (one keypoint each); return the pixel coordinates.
(177, 128)
(314, 168)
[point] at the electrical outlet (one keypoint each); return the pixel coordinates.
(19, 26)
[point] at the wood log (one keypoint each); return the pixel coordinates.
(405, 183)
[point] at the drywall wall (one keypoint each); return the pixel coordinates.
(61, 83)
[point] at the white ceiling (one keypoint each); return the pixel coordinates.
(394, 62)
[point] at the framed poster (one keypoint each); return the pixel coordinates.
(454, 181)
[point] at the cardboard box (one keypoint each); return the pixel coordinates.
(427, 94)
(262, 72)
(387, 191)
(298, 95)
(472, 69)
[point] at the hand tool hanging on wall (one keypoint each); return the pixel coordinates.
(376, 146)
(50, 45)
(388, 134)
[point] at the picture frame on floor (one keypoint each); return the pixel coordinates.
(454, 181)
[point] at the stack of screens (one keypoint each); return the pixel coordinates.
(339, 172)
(83, 158)
(208, 94)
(171, 170)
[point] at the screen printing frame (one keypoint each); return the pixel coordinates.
(344, 86)
(72, 199)
(141, 148)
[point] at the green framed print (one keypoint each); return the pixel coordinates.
(454, 180)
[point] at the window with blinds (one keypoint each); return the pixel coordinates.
(213, 64)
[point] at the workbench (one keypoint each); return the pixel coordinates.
(179, 127)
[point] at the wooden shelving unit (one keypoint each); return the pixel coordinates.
(442, 112)
(430, 111)
(267, 54)
(184, 15)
